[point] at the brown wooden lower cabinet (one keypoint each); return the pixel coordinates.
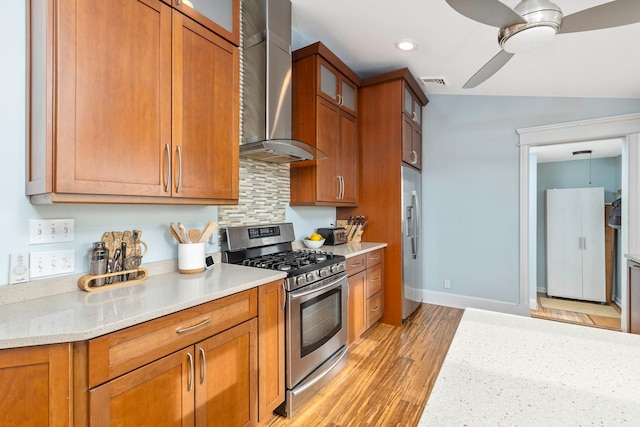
(35, 386)
(366, 302)
(196, 367)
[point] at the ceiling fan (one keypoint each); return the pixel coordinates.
(535, 22)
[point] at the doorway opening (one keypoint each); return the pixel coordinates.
(627, 128)
(575, 185)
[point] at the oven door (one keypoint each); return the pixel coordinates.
(316, 325)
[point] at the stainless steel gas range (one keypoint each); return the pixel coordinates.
(316, 305)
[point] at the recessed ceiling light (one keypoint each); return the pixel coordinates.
(407, 44)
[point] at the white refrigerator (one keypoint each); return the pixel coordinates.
(411, 241)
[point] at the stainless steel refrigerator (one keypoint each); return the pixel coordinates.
(411, 241)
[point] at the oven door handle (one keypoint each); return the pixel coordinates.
(302, 292)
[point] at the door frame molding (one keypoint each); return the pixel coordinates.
(626, 127)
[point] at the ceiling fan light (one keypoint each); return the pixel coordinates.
(528, 39)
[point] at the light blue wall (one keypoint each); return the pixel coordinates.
(471, 185)
(573, 174)
(91, 220)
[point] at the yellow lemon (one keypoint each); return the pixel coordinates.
(315, 236)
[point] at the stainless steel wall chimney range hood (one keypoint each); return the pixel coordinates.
(267, 85)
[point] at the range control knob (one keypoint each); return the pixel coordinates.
(301, 280)
(309, 277)
(323, 272)
(334, 268)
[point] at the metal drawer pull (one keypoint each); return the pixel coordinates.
(190, 383)
(376, 308)
(190, 328)
(414, 157)
(356, 265)
(203, 371)
(374, 280)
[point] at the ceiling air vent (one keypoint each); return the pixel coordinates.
(438, 81)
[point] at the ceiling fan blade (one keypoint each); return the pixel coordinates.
(490, 12)
(612, 14)
(489, 69)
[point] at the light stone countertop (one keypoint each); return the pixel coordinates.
(633, 257)
(80, 315)
(508, 370)
(353, 249)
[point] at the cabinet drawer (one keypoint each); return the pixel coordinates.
(375, 257)
(356, 264)
(125, 350)
(374, 280)
(375, 307)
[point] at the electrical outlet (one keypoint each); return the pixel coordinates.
(43, 231)
(447, 283)
(51, 263)
(19, 271)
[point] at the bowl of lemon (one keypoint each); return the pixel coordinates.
(314, 241)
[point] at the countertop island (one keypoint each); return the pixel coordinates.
(507, 370)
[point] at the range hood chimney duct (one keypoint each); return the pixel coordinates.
(267, 85)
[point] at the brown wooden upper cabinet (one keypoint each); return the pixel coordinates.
(220, 16)
(335, 87)
(412, 127)
(131, 101)
(324, 113)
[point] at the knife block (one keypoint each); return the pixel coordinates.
(354, 233)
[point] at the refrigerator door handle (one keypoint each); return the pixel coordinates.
(416, 228)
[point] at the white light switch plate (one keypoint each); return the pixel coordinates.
(19, 269)
(51, 263)
(51, 231)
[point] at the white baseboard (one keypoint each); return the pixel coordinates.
(463, 301)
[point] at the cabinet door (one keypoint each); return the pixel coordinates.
(35, 384)
(593, 258)
(158, 394)
(328, 82)
(114, 97)
(348, 159)
(271, 347)
(226, 378)
(328, 137)
(220, 16)
(411, 143)
(357, 306)
(348, 96)
(205, 113)
(564, 232)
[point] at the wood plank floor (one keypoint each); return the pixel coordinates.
(389, 377)
(577, 318)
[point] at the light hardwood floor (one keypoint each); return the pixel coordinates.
(577, 318)
(389, 377)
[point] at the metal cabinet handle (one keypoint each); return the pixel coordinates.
(203, 361)
(415, 117)
(190, 382)
(414, 157)
(374, 280)
(178, 2)
(167, 168)
(190, 328)
(376, 308)
(340, 100)
(179, 186)
(340, 187)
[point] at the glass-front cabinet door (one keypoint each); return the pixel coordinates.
(334, 87)
(220, 16)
